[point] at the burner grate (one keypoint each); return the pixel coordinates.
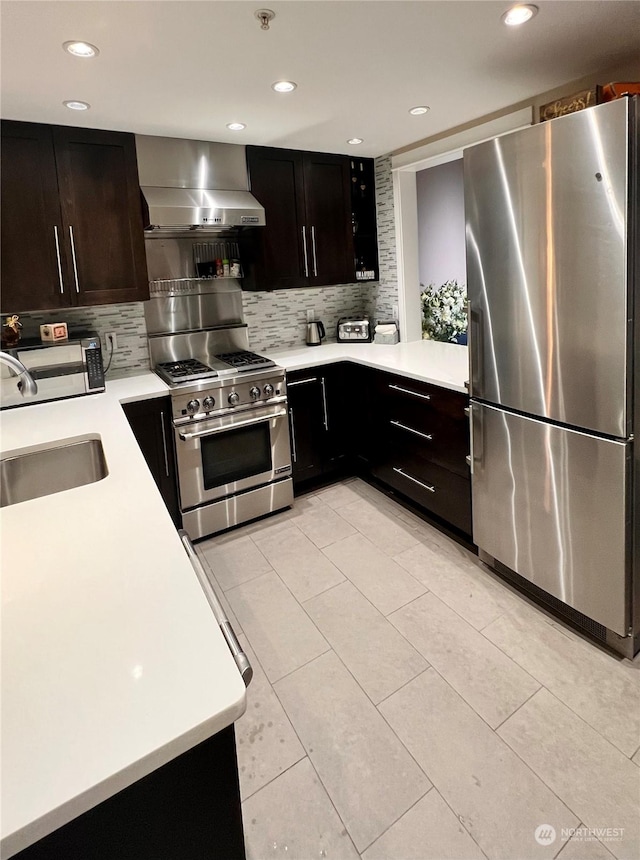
(187, 369)
(245, 360)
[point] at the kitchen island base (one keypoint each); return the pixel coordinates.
(188, 809)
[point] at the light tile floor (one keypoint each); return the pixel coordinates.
(408, 705)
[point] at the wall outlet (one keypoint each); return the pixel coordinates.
(111, 339)
(395, 312)
(311, 315)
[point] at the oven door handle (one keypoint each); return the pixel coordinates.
(186, 436)
(241, 659)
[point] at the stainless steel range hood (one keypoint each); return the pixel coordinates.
(195, 185)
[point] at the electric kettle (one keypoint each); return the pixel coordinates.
(315, 333)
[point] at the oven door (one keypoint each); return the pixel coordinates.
(218, 457)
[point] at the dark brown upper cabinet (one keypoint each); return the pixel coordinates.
(308, 239)
(72, 232)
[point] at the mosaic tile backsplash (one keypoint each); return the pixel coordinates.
(385, 295)
(276, 320)
(279, 319)
(126, 320)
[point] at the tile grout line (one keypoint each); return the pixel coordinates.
(544, 686)
(421, 769)
(521, 705)
(387, 829)
(535, 773)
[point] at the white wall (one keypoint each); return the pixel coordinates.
(441, 248)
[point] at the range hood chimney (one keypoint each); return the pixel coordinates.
(195, 186)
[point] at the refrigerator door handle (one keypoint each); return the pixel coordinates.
(469, 411)
(476, 334)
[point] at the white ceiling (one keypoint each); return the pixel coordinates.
(185, 69)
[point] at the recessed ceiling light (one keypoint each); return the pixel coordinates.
(355, 140)
(236, 126)
(519, 14)
(418, 111)
(81, 49)
(284, 86)
(73, 104)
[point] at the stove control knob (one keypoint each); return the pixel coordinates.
(208, 403)
(193, 406)
(268, 390)
(234, 398)
(255, 393)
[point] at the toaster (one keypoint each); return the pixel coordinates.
(354, 330)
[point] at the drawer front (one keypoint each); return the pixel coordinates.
(437, 490)
(401, 389)
(436, 438)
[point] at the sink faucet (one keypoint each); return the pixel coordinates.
(26, 383)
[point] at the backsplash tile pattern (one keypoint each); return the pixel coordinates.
(279, 318)
(385, 293)
(126, 320)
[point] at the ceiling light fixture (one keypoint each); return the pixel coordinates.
(81, 49)
(74, 104)
(236, 126)
(354, 140)
(419, 110)
(284, 86)
(519, 14)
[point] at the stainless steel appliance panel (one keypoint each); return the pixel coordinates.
(202, 449)
(546, 211)
(553, 505)
(237, 509)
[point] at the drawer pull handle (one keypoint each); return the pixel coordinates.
(467, 411)
(411, 430)
(409, 391)
(415, 480)
(301, 381)
(468, 459)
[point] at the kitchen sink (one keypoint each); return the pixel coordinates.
(41, 470)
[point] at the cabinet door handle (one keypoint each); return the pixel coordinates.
(302, 381)
(415, 480)
(408, 391)
(411, 430)
(164, 445)
(73, 257)
(324, 404)
(304, 248)
(55, 234)
(313, 246)
(293, 437)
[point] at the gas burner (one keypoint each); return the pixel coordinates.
(187, 370)
(245, 360)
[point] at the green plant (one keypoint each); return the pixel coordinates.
(444, 310)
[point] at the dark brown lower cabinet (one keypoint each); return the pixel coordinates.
(188, 809)
(150, 421)
(421, 445)
(409, 436)
(319, 422)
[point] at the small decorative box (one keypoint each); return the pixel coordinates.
(53, 331)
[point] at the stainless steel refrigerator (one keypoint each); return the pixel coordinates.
(552, 268)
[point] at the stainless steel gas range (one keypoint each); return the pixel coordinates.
(229, 408)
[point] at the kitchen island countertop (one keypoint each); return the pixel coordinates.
(112, 661)
(444, 364)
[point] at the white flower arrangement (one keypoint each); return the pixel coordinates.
(444, 310)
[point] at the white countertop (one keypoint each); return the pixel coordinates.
(112, 662)
(444, 364)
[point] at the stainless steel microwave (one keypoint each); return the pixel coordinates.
(69, 368)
